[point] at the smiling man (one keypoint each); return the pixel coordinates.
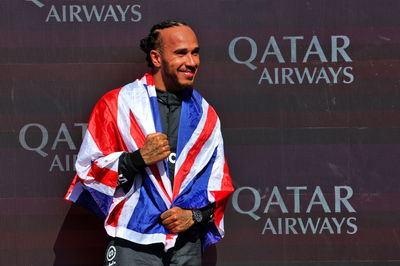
(152, 161)
(176, 59)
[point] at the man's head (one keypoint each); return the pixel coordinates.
(172, 50)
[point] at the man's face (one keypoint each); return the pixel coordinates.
(179, 51)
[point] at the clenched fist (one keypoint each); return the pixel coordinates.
(177, 220)
(155, 148)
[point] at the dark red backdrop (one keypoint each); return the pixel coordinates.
(336, 129)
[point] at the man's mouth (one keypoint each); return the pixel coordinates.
(188, 73)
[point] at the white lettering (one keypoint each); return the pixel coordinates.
(256, 205)
(74, 11)
(339, 200)
(336, 49)
(278, 201)
(89, 13)
(123, 12)
(93, 11)
(110, 13)
(338, 225)
(43, 143)
(135, 12)
(318, 50)
(351, 223)
(67, 138)
(83, 126)
(269, 226)
(326, 225)
(275, 51)
(335, 74)
(253, 52)
(293, 46)
(53, 14)
(265, 75)
(287, 72)
(348, 75)
(296, 197)
(309, 224)
(323, 75)
(289, 226)
(56, 163)
(318, 193)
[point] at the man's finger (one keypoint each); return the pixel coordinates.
(165, 214)
(164, 142)
(167, 148)
(169, 220)
(173, 228)
(158, 135)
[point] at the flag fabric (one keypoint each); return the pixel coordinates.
(119, 123)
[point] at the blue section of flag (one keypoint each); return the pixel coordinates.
(96, 201)
(191, 113)
(194, 196)
(157, 123)
(150, 206)
(87, 201)
(156, 114)
(209, 235)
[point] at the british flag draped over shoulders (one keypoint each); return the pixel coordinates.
(119, 123)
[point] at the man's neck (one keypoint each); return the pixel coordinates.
(161, 85)
(158, 80)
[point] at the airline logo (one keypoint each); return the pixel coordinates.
(87, 11)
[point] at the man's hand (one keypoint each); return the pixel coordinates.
(177, 220)
(155, 148)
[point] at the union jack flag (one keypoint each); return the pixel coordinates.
(120, 122)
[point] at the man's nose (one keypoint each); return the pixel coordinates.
(191, 60)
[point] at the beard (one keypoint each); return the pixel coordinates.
(171, 80)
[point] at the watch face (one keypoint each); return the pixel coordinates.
(197, 216)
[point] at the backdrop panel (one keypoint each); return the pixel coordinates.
(309, 99)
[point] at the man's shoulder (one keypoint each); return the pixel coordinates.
(113, 95)
(110, 96)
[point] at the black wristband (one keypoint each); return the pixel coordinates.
(130, 164)
(204, 215)
(208, 212)
(135, 160)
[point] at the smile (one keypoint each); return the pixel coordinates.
(188, 74)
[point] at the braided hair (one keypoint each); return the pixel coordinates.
(152, 41)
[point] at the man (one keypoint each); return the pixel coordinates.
(152, 161)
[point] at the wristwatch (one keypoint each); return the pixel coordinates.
(197, 216)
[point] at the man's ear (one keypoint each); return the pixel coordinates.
(155, 58)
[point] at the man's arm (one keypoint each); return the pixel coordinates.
(155, 149)
(130, 164)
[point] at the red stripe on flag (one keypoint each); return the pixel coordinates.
(104, 175)
(149, 79)
(136, 131)
(221, 197)
(114, 215)
(71, 187)
(139, 138)
(105, 114)
(157, 175)
(205, 134)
